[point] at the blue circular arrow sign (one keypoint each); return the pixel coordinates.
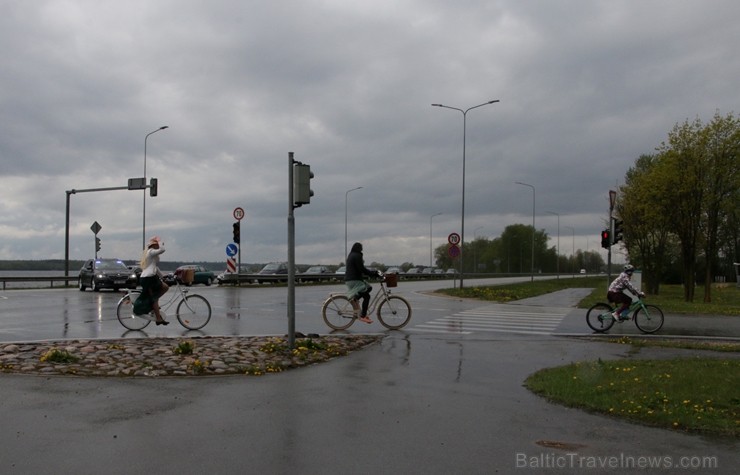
(231, 249)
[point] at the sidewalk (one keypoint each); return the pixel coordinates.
(686, 326)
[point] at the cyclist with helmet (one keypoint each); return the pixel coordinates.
(616, 293)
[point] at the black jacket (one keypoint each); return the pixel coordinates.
(356, 264)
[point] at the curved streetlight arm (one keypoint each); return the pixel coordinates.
(143, 223)
(462, 217)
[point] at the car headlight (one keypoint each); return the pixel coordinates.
(100, 276)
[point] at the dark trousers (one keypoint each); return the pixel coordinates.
(620, 298)
(365, 300)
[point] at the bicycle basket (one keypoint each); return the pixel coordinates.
(391, 280)
(186, 276)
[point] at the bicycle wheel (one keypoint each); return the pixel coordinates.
(394, 313)
(599, 317)
(193, 312)
(338, 312)
(125, 312)
(649, 319)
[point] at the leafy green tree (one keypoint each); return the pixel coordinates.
(689, 191)
(641, 206)
(721, 142)
(681, 171)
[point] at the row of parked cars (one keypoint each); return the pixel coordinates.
(114, 274)
(98, 274)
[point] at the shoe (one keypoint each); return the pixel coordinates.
(163, 322)
(365, 320)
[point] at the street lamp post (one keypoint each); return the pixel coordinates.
(143, 225)
(533, 228)
(574, 249)
(462, 218)
(345, 220)
(430, 237)
(557, 255)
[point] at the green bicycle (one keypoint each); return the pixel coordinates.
(648, 318)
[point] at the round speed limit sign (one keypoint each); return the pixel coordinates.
(453, 239)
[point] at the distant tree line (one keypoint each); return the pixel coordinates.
(511, 253)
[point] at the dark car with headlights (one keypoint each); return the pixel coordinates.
(106, 274)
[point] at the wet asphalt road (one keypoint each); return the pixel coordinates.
(444, 395)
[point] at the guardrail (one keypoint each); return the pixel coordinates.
(233, 279)
(49, 279)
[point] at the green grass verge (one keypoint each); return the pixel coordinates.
(709, 345)
(696, 395)
(725, 297)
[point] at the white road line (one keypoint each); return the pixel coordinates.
(495, 319)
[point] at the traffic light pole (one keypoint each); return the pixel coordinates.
(291, 256)
(133, 184)
(612, 200)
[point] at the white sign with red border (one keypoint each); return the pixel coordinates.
(453, 239)
(238, 214)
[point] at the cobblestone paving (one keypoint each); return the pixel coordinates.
(152, 357)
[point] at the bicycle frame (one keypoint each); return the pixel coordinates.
(180, 292)
(634, 306)
(648, 318)
(374, 300)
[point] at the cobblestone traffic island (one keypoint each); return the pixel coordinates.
(153, 357)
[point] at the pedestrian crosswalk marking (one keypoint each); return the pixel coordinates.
(495, 319)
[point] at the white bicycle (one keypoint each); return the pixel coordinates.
(393, 311)
(193, 311)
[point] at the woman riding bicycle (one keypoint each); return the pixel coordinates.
(151, 281)
(356, 286)
(616, 290)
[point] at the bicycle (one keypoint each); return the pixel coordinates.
(648, 318)
(193, 312)
(393, 311)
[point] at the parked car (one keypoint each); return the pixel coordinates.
(428, 270)
(451, 271)
(273, 268)
(106, 274)
(314, 273)
(413, 271)
(341, 270)
(394, 270)
(201, 275)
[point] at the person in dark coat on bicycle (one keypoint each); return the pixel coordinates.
(356, 285)
(616, 291)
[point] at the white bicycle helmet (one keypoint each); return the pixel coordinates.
(629, 268)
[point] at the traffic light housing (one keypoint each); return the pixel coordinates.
(237, 232)
(617, 230)
(153, 187)
(606, 239)
(97, 244)
(302, 176)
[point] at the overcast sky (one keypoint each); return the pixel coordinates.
(585, 87)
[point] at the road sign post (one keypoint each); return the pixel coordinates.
(238, 216)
